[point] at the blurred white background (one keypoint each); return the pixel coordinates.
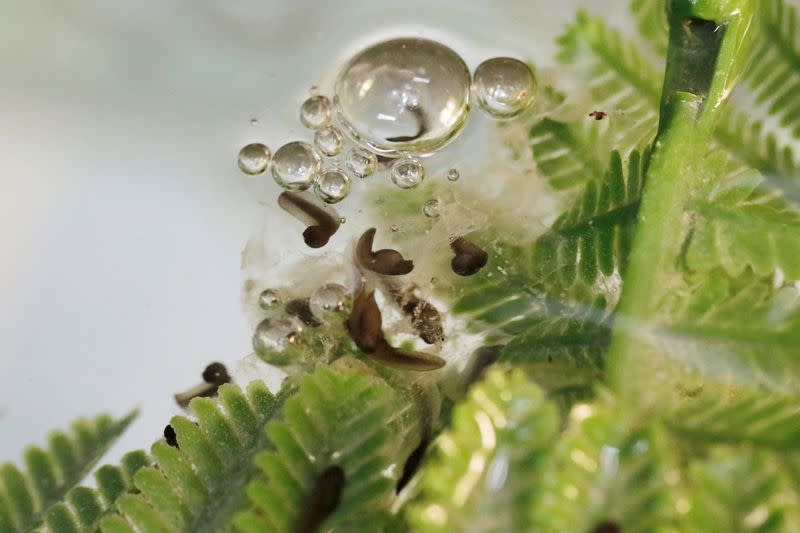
(122, 212)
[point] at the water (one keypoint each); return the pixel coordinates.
(407, 173)
(315, 112)
(254, 159)
(328, 299)
(431, 208)
(332, 186)
(295, 166)
(275, 333)
(361, 162)
(504, 87)
(404, 95)
(268, 299)
(329, 141)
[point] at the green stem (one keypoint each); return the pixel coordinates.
(707, 38)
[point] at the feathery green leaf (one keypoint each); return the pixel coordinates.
(51, 473)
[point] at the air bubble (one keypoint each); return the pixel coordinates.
(275, 333)
(504, 87)
(431, 208)
(404, 95)
(315, 112)
(254, 159)
(328, 299)
(268, 299)
(453, 175)
(361, 162)
(295, 166)
(332, 186)
(329, 141)
(407, 173)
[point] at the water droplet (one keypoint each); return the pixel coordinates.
(268, 299)
(327, 299)
(431, 208)
(316, 112)
(274, 333)
(453, 174)
(342, 220)
(254, 122)
(332, 186)
(361, 162)
(504, 87)
(404, 95)
(329, 141)
(254, 159)
(295, 166)
(408, 172)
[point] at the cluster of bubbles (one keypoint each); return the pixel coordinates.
(281, 328)
(394, 102)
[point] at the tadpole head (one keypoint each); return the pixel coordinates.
(387, 262)
(469, 258)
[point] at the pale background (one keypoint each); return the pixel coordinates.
(122, 213)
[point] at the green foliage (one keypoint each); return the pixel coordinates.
(483, 473)
(734, 490)
(347, 419)
(604, 472)
(775, 73)
(199, 485)
(652, 23)
(52, 472)
(569, 154)
(83, 507)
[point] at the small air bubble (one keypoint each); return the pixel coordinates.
(453, 174)
(332, 186)
(342, 220)
(329, 141)
(407, 173)
(504, 87)
(315, 112)
(328, 299)
(361, 162)
(254, 159)
(295, 166)
(268, 299)
(274, 333)
(431, 208)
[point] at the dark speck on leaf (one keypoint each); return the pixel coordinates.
(323, 500)
(170, 436)
(598, 115)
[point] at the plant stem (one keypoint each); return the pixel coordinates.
(704, 60)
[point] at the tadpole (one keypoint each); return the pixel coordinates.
(387, 262)
(214, 376)
(322, 222)
(323, 500)
(469, 259)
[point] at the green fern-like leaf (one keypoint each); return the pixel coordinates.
(652, 23)
(483, 475)
(605, 475)
(744, 225)
(734, 490)
(83, 507)
(743, 333)
(569, 154)
(198, 486)
(622, 81)
(346, 420)
(775, 75)
(720, 415)
(51, 473)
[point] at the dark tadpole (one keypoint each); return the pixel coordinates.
(322, 222)
(469, 258)
(386, 262)
(301, 308)
(412, 464)
(214, 375)
(425, 318)
(322, 502)
(422, 126)
(365, 328)
(607, 527)
(170, 436)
